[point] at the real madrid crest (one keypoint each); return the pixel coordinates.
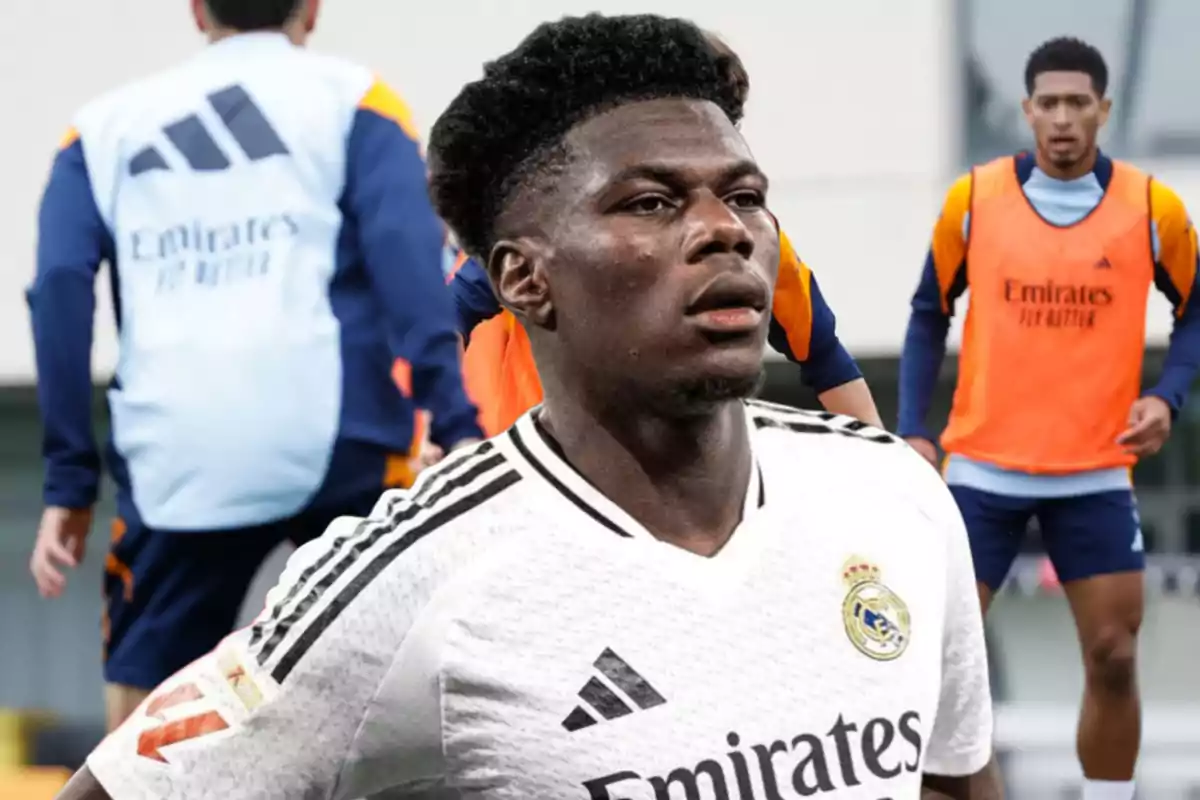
(876, 619)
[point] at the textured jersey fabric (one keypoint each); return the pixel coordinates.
(503, 630)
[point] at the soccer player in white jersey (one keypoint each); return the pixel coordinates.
(265, 214)
(649, 587)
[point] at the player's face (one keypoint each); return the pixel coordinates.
(1066, 114)
(662, 256)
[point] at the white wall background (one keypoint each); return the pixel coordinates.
(853, 113)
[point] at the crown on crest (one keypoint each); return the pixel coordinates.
(858, 570)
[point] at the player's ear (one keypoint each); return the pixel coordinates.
(200, 15)
(310, 11)
(516, 269)
(1027, 109)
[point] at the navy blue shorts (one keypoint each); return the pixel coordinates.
(1084, 535)
(170, 597)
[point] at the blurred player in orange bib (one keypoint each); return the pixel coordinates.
(503, 381)
(1059, 248)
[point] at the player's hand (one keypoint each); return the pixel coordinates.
(61, 538)
(926, 448)
(1149, 427)
(430, 454)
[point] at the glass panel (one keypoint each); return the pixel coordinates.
(1152, 472)
(1186, 439)
(1165, 118)
(1192, 527)
(1157, 101)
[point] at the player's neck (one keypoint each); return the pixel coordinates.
(294, 34)
(1076, 170)
(684, 481)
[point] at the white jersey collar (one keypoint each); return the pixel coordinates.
(250, 42)
(543, 456)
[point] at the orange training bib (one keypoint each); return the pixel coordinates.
(1054, 336)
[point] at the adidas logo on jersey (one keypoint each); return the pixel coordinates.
(244, 122)
(602, 696)
(807, 764)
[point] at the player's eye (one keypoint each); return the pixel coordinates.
(647, 204)
(747, 199)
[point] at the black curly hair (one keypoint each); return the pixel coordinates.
(253, 15)
(508, 127)
(1067, 54)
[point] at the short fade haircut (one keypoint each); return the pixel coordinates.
(253, 15)
(738, 75)
(508, 127)
(1067, 54)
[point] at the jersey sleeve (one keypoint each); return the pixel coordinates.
(474, 300)
(1175, 275)
(402, 242)
(943, 279)
(277, 709)
(961, 740)
(803, 326)
(73, 241)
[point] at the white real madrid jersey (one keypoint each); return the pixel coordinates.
(504, 631)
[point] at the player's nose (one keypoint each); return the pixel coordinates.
(715, 228)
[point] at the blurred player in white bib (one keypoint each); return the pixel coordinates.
(264, 212)
(649, 587)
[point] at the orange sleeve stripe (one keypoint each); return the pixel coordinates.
(382, 100)
(69, 138)
(458, 264)
(402, 376)
(949, 245)
(400, 469)
(114, 566)
(792, 307)
(1176, 240)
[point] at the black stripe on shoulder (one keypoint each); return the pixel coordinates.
(406, 538)
(518, 442)
(430, 482)
(482, 473)
(823, 423)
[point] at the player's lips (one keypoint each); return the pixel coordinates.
(1063, 141)
(730, 303)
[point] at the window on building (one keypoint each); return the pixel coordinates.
(1152, 59)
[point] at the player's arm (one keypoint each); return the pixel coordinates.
(943, 280)
(959, 760)
(1175, 275)
(83, 786)
(804, 330)
(278, 709)
(73, 241)
(831, 370)
(402, 243)
(474, 300)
